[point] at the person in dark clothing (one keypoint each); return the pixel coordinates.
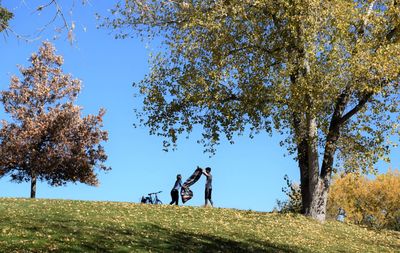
(175, 190)
(208, 190)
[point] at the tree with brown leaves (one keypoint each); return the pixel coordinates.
(48, 139)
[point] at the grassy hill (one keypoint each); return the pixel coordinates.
(82, 226)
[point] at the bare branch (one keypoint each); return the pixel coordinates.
(59, 14)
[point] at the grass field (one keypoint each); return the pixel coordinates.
(82, 226)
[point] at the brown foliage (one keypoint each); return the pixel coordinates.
(47, 137)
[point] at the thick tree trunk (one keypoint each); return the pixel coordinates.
(317, 196)
(302, 159)
(319, 200)
(33, 185)
(315, 201)
(314, 188)
(304, 179)
(317, 190)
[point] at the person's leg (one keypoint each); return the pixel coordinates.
(209, 197)
(172, 197)
(206, 197)
(176, 195)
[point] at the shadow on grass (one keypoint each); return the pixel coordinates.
(147, 237)
(178, 241)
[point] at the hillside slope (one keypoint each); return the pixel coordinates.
(82, 226)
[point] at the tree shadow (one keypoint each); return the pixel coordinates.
(154, 238)
(179, 241)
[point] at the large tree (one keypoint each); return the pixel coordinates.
(323, 73)
(47, 138)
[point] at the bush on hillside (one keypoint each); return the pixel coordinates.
(371, 202)
(293, 202)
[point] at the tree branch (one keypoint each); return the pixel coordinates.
(232, 97)
(334, 133)
(356, 109)
(334, 128)
(37, 35)
(263, 49)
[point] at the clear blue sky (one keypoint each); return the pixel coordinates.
(247, 175)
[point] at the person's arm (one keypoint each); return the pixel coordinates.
(205, 173)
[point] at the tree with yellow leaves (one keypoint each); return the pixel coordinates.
(372, 202)
(323, 73)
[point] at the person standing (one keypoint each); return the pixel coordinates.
(208, 190)
(175, 190)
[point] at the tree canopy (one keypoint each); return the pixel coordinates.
(323, 73)
(47, 138)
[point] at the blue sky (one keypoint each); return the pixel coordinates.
(247, 175)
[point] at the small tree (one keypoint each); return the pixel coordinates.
(47, 138)
(293, 202)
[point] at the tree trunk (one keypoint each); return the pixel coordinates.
(314, 198)
(319, 200)
(317, 193)
(304, 179)
(302, 158)
(33, 185)
(314, 188)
